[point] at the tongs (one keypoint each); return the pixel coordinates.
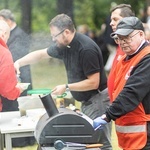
(59, 145)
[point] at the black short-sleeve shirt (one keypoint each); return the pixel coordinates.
(82, 57)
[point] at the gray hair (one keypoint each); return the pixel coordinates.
(7, 14)
(62, 21)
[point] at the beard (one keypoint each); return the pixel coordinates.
(64, 43)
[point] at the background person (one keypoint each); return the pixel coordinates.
(18, 44)
(83, 61)
(110, 43)
(131, 99)
(117, 13)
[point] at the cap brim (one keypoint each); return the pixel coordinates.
(123, 32)
(113, 35)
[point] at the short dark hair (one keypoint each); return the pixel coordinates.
(126, 10)
(62, 21)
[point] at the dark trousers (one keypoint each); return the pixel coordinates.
(94, 108)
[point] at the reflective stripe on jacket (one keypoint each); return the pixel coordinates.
(131, 128)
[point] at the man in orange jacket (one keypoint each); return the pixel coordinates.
(9, 87)
(131, 93)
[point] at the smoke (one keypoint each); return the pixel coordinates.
(39, 41)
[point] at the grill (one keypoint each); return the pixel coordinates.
(63, 125)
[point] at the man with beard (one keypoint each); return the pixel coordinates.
(83, 60)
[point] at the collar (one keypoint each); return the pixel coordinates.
(143, 44)
(13, 27)
(72, 42)
(139, 47)
(3, 43)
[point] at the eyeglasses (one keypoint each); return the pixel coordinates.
(127, 39)
(55, 36)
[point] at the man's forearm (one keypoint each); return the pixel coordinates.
(32, 57)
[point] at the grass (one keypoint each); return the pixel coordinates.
(48, 74)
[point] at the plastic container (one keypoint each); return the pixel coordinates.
(60, 102)
(29, 102)
(38, 92)
(32, 101)
(24, 86)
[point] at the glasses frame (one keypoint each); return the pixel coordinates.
(127, 38)
(55, 36)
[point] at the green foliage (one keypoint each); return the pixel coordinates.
(90, 12)
(83, 12)
(14, 7)
(42, 12)
(102, 10)
(136, 4)
(93, 13)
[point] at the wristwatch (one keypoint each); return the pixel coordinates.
(67, 88)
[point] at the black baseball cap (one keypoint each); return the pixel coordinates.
(128, 25)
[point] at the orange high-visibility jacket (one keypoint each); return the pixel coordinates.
(131, 128)
(111, 77)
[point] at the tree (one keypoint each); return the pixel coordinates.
(26, 15)
(65, 6)
(90, 12)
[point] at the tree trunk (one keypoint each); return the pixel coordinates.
(6, 4)
(65, 6)
(26, 8)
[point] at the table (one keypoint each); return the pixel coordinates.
(13, 126)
